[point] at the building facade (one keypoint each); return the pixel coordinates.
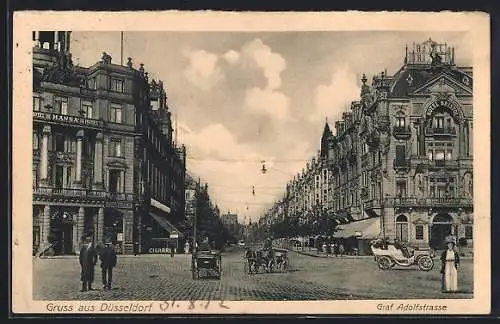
(401, 157)
(404, 152)
(88, 149)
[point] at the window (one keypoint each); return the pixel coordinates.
(117, 85)
(59, 177)
(439, 122)
(36, 103)
(430, 153)
(468, 232)
(402, 228)
(68, 177)
(61, 105)
(87, 106)
(35, 141)
(35, 176)
(155, 104)
(116, 113)
(400, 122)
(115, 147)
(92, 84)
(449, 155)
(59, 142)
(400, 155)
(401, 188)
(440, 155)
(419, 232)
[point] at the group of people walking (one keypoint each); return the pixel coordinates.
(88, 259)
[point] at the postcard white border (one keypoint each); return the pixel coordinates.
(476, 24)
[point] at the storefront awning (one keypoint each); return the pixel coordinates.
(171, 229)
(364, 229)
(159, 205)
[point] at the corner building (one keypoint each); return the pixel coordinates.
(87, 153)
(402, 157)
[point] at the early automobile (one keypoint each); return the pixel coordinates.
(387, 255)
(207, 261)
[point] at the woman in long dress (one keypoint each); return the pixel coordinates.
(450, 261)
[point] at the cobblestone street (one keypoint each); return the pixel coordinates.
(159, 277)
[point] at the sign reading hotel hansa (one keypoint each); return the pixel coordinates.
(251, 163)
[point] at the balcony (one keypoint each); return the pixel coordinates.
(443, 164)
(374, 203)
(48, 192)
(401, 164)
(119, 196)
(401, 132)
(441, 131)
(449, 202)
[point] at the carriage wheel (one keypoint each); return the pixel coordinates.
(384, 263)
(425, 263)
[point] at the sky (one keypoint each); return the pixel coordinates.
(240, 98)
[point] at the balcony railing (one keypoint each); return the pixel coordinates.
(443, 163)
(119, 196)
(82, 193)
(441, 131)
(401, 131)
(68, 192)
(429, 202)
(398, 164)
(374, 203)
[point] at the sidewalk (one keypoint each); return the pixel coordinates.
(313, 253)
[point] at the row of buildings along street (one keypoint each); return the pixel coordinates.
(398, 164)
(105, 162)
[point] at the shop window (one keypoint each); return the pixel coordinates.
(402, 228)
(468, 232)
(419, 232)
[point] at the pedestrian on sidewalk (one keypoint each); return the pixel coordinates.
(88, 259)
(450, 260)
(341, 249)
(108, 262)
(172, 250)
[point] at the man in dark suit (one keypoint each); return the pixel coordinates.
(88, 259)
(108, 262)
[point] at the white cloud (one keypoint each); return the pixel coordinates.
(334, 98)
(231, 56)
(273, 103)
(271, 63)
(202, 70)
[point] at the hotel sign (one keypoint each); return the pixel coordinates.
(443, 103)
(66, 119)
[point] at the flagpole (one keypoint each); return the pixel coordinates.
(121, 48)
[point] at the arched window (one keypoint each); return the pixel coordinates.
(402, 228)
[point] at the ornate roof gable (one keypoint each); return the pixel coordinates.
(444, 83)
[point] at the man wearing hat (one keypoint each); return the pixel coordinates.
(450, 261)
(88, 259)
(108, 262)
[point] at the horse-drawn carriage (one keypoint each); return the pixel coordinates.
(268, 260)
(206, 260)
(387, 255)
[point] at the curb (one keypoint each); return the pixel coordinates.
(353, 256)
